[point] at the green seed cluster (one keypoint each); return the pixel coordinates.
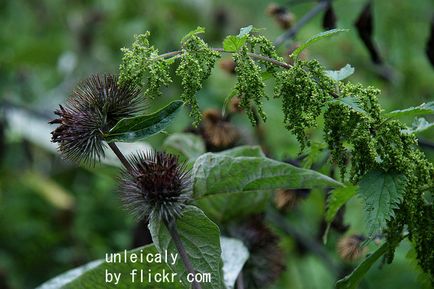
(357, 133)
(250, 86)
(261, 45)
(367, 141)
(142, 66)
(195, 67)
(304, 90)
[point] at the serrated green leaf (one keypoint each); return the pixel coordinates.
(245, 30)
(201, 239)
(198, 30)
(337, 198)
(137, 128)
(351, 102)
(340, 74)
(352, 280)
(92, 275)
(423, 109)
(382, 193)
(234, 255)
(233, 43)
(188, 145)
(314, 39)
(419, 124)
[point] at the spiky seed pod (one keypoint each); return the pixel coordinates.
(158, 185)
(93, 108)
(350, 247)
(266, 261)
(218, 133)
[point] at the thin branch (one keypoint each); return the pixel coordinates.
(290, 33)
(171, 227)
(221, 50)
(120, 156)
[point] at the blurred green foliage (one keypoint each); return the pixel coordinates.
(55, 216)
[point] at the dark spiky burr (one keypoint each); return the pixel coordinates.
(158, 184)
(266, 262)
(94, 107)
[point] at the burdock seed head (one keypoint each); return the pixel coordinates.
(158, 185)
(93, 108)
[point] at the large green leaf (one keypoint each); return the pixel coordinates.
(225, 208)
(93, 274)
(382, 193)
(188, 145)
(352, 281)
(216, 174)
(314, 39)
(201, 238)
(136, 128)
(423, 109)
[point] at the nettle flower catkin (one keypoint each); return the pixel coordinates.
(93, 108)
(157, 186)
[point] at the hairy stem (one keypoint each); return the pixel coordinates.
(171, 227)
(120, 156)
(221, 50)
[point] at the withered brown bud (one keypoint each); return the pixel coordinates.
(228, 65)
(218, 133)
(281, 15)
(266, 261)
(350, 248)
(288, 199)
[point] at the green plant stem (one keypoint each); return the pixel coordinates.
(171, 227)
(221, 50)
(240, 281)
(120, 156)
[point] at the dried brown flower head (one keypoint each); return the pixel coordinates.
(158, 184)
(94, 107)
(266, 261)
(350, 247)
(281, 15)
(218, 133)
(288, 199)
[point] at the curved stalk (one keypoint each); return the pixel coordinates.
(221, 50)
(171, 226)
